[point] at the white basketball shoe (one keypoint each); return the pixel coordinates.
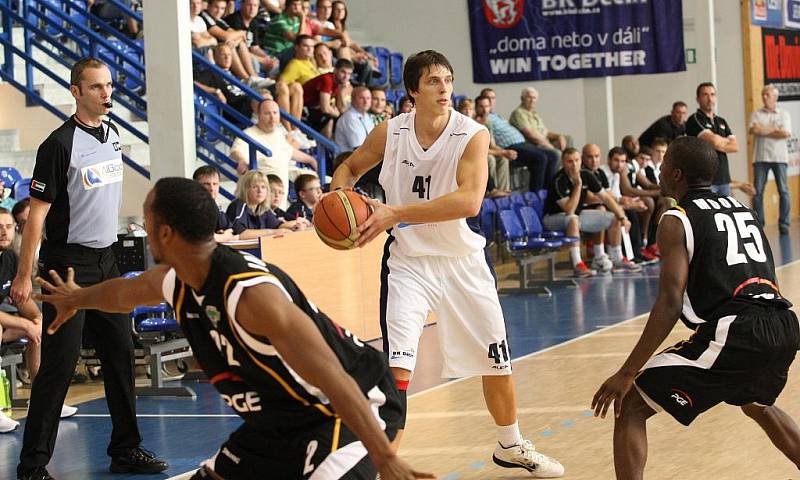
(524, 455)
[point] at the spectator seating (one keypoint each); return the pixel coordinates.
(396, 68)
(22, 189)
(10, 360)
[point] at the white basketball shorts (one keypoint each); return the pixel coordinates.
(461, 292)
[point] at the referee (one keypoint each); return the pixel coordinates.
(76, 192)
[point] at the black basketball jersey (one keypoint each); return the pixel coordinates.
(730, 261)
(246, 369)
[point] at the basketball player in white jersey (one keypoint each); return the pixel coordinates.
(434, 173)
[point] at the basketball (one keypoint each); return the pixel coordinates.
(337, 217)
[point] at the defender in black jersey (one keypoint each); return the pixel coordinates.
(718, 277)
(316, 402)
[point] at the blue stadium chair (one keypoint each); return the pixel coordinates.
(383, 55)
(516, 199)
(487, 219)
(503, 203)
(456, 99)
(396, 68)
(542, 194)
(22, 189)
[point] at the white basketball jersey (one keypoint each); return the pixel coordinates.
(411, 175)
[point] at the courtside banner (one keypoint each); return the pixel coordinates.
(782, 61)
(522, 40)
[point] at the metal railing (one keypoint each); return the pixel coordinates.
(65, 31)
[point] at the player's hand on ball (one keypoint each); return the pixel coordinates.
(612, 390)
(383, 217)
(60, 296)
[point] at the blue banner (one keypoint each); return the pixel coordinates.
(522, 40)
(766, 13)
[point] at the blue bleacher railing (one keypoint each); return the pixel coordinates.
(65, 30)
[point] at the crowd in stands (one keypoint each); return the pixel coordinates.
(602, 203)
(303, 61)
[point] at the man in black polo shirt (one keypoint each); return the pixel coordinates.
(564, 211)
(76, 192)
(706, 125)
(669, 127)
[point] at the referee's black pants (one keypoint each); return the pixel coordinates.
(113, 344)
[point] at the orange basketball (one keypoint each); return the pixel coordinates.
(337, 217)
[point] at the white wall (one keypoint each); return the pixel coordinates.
(409, 26)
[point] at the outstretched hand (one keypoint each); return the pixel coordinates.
(60, 297)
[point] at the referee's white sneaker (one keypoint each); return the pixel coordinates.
(68, 411)
(7, 424)
(524, 455)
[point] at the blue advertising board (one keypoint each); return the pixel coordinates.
(522, 40)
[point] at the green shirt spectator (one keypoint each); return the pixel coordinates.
(275, 38)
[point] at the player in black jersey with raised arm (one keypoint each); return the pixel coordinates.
(316, 402)
(718, 277)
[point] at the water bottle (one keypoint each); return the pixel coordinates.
(5, 393)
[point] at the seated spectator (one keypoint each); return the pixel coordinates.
(20, 213)
(111, 13)
(669, 127)
(631, 146)
(299, 70)
(644, 159)
(499, 158)
(325, 97)
(528, 121)
(282, 31)
(652, 199)
(6, 200)
(242, 65)
(653, 169)
(590, 157)
(363, 61)
(541, 166)
(355, 124)
(564, 211)
(19, 321)
(202, 41)
(248, 20)
(309, 191)
(615, 170)
(324, 25)
(268, 133)
(276, 192)
(323, 58)
(405, 105)
(377, 107)
(251, 208)
(208, 177)
(388, 111)
(225, 91)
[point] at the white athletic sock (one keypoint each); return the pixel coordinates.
(508, 435)
(644, 241)
(599, 250)
(615, 253)
(575, 255)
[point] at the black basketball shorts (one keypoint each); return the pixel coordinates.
(740, 359)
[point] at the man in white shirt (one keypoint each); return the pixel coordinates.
(355, 124)
(771, 128)
(268, 133)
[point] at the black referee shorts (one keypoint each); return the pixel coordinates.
(740, 359)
